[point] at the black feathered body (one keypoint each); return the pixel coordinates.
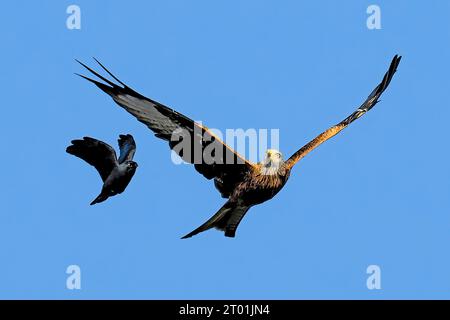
(116, 182)
(119, 179)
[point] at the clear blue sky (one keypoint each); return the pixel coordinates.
(376, 194)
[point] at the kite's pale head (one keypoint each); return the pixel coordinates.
(274, 155)
(272, 161)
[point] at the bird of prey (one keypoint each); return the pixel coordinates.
(243, 183)
(115, 173)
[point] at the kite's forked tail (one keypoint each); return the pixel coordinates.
(226, 219)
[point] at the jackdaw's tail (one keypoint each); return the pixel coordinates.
(101, 197)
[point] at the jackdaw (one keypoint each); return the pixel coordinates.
(115, 173)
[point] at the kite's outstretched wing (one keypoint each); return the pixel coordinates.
(224, 163)
(127, 147)
(95, 152)
(371, 101)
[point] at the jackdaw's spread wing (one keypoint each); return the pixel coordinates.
(127, 147)
(95, 152)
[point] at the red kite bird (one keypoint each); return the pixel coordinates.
(243, 183)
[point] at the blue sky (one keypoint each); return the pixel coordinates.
(376, 194)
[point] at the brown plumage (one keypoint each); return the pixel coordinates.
(243, 183)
